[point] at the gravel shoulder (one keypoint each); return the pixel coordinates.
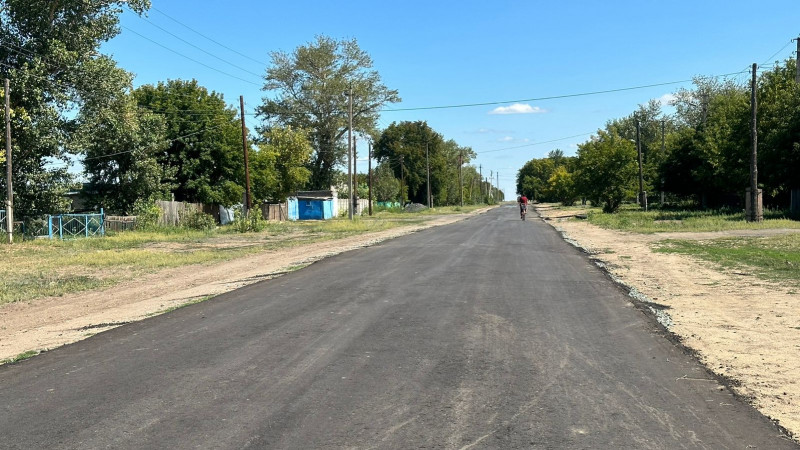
(47, 323)
(742, 328)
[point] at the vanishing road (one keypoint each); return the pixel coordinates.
(487, 333)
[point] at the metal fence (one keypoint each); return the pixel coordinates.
(70, 226)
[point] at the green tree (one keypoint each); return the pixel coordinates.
(310, 88)
(205, 141)
(385, 186)
(410, 141)
(533, 179)
(120, 144)
(561, 186)
(50, 53)
(278, 167)
(779, 138)
(607, 170)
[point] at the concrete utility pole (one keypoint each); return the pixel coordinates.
(480, 186)
(369, 172)
(350, 153)
(9, 184)
(642, 194)
(428, 165)
(498, 187)
(247, 199)
(489, 181)
(754, 213)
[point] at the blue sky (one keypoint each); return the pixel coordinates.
(454, 53)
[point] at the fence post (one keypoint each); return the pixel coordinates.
(86, 225)
(102, 222)
(50, 226)
(60, 227)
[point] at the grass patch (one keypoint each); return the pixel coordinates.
(631, 218)
(774, 258)
(43, 268)
(21, 357)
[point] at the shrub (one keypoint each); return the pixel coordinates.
(195, 219)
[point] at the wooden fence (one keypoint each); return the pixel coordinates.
(275, 211)
(120, 223)
(171, 212)
(342, 204)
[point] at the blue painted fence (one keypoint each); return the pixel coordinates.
(70, 226)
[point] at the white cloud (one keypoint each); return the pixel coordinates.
(506, 139)
(666, 99)
(517, 108)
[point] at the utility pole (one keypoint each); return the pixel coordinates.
(797, 71)
(350, 153)
(642, 194)
(498, 187)
(428, 165)
(480, 186)
(355, 178)
(461, 176)
(402, 182)
(491, 178)
(369, 172)
(754, 213)
(663, 153)
(9, 187)
(247, 200)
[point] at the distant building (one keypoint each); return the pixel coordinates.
(312, 205)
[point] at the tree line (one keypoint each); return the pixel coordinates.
(178, 139)
(697, 156)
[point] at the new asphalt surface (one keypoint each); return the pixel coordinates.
(487, 333)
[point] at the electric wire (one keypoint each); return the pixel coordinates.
(206, 37)
(200, 49)
(190, 58)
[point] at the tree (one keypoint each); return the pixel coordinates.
(205, 141)
(120, 144)
(561, 186)
(385, 186)
(50, 53)
(278, 166)
(311, 88)
(411, 141)
(533, 178)
(607, 170)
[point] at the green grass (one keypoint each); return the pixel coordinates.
(21, 357)
(774, 258)
(41, 268)
(631, 218)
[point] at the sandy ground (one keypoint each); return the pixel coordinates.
(742, 328)
(46, 323)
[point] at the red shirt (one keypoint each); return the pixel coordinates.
(523, 200)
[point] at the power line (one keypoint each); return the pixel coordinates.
(534, 143)
(199, 48)
(554, 97)
(173, 139)
(189, 58)
(205, 37)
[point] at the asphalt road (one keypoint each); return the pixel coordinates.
(488, 333)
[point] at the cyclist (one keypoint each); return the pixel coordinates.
(523, 204)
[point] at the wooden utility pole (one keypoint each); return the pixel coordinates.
(642, 195)
(428, 165)
(402, 182)
(355, 178)
(248, 202)
(797, 70)
(9, 184)
(461, 176)
(350, 153)
(369, 172)
(663, 153)
(754, 213)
